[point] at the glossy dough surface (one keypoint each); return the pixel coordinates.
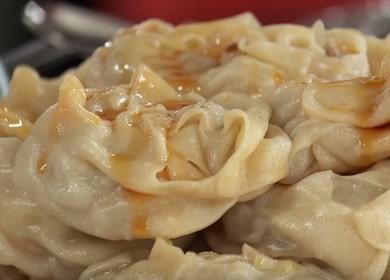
(260, 151)
(325, 216)
(168, 262)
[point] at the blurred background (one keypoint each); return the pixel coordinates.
(55, 35)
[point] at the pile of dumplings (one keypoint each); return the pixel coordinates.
(216, 150)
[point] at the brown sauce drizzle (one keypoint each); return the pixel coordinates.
(368, 140)
(232, 48)
(138, 201)
(171, 69)
(109, 115)
(374, 84)
(277, 77)
(42, 164)
(175, 105)
(139, 224)
(183, 83)
(187, 82)
(164, 175)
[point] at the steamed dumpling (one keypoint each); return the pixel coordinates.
(39, 244)
(30, 95)
(188, 57)
(141, 161)
(199, 56)
(328, 102)
(361, 102)
(335, 54)
(262, 65)
(169, 262)
(178, 54)
(325, 216)
(378, 52)
(167, 132)
(28, 98)
(340, 126)
(241, 74)
(334, 122)
(204, 58)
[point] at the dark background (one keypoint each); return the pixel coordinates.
(13, 33)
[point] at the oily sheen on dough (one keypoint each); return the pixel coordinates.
(325, 216)
(266, 144)
(149, 162)
(169, 262)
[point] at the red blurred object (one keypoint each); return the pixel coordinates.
(177, 11)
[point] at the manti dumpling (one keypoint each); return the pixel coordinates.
(214, 134)
(232, 53)
(335, 122)
(39, 244)
(30, 94)
(288, 52)
(334, 54)
(339, 221)
(179, 54)
(341, 126)
(141, 161)
(170, 263)
(378, 51)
